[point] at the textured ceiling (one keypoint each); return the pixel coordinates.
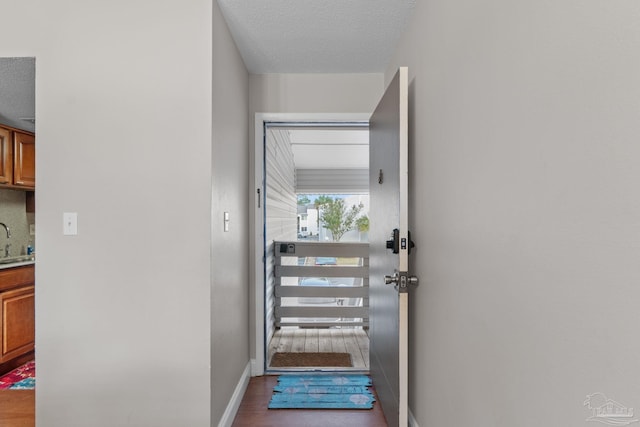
(316, 36)
(17, 92)
(273, 36)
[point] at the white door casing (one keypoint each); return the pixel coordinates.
(256, 197)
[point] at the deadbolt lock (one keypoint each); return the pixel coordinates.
(396, 243)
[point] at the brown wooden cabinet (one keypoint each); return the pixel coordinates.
(17, 159)
(24, 160)
(18, 322)
(17, 312)
(6, 156)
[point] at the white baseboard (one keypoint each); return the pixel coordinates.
(256, 368)
(412, 420)
(234, 403)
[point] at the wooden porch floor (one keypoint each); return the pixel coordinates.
(310, 340)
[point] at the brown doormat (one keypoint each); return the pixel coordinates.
(294, 360)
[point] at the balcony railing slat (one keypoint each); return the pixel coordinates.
(320, 271)
(306, 311)
(351, 302)
(322, 291)
(302, 324)
(323, 249)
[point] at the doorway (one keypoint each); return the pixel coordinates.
(17, 238)
(309, 301)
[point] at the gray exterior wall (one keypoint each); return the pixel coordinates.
(281, 208)
(524, 147)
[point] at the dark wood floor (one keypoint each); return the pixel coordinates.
(253, 411)
(17, 408)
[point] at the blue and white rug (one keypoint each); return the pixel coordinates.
(321, 391)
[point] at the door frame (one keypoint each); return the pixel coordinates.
(256, 217)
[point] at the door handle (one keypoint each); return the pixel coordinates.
(401, 280)
(391, 280)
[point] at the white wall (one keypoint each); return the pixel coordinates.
(314, 93)
(230, 271)
(524, 147)
(123, 105)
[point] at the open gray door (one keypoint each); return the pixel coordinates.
(390, 244)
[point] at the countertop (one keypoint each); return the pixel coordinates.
(18, 263)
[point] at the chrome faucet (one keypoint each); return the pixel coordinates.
(8, 245)
(6, 228)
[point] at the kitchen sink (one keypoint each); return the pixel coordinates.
(15, 259)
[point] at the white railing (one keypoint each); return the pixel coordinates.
(321, 284)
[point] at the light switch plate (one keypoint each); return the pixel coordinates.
(70, 223)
